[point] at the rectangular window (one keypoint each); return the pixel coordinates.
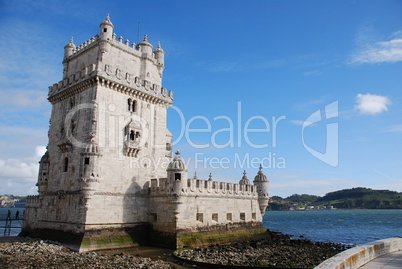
(254, 216)
(65, 164)
(177, 176)
(215, 217)
(200, 217)
(153, 217)
(86, 160)
(229, 216)
(242, 216)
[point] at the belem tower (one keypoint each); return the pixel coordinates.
(97, 189)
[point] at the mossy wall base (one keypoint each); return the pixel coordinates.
(220, 234)
(111, 238)
(144, 235)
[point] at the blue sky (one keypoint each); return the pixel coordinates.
(233, 65)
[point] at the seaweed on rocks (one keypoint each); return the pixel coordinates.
(274, 251)
(31, 253)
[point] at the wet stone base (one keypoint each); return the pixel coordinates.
(95, 239)
(273, 251)
(220, 235)
(144, 235)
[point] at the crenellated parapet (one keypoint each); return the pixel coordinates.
(32, 201)
(73, 51)
(199, 187)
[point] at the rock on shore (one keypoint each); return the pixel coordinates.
(44, 254)
(275, 251)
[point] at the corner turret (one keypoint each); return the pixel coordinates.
(145, 46)
(261, 182)
(177, 173)
(159, 54)
(106, 29)
(244, 180)
(69, 48)
(43, 173)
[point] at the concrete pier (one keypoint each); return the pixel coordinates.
(367, 254)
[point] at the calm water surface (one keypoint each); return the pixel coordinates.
(341, 226)
(15, 223)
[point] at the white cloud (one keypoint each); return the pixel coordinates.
(380, 52)
(395, 129)
(18, 176)
(313, 73)
(372, 104)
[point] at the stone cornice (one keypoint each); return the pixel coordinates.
(107, 83)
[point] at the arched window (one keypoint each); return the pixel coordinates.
(129, 104)
(134, 106)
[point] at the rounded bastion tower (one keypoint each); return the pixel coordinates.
(177, 173)
(261, 182)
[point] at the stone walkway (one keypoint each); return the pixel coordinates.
(391, 260)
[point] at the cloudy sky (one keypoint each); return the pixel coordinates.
(310, 89)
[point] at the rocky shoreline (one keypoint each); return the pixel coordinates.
(276, 250)
(31, 253)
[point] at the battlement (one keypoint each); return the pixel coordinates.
(126, 46)
(32, 201)
(199, 187)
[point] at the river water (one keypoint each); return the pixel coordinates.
(340, 226)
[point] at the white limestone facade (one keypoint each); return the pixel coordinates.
(107, 172)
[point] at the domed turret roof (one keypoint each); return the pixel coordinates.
(70, 44)
(177, 164)
(244, 180)
(260, 177)
(145, 42)
(159, 48)
(107, 21)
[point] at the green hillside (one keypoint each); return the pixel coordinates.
(362, 198)
(356, 198)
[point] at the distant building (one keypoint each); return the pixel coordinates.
(102, 182)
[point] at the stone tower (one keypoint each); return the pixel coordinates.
(106, 180)
(107, 139)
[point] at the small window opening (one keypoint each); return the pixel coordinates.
(137, 135)
(243, 216)
(153, 217)
(200, 217)
(177, 176)
(229, 216)
(134, 106)
(129, 104)
(215, 217)
(105, 30)
(132, 135)
(254, 216)
(86, 160)
(168, 147)
(65, 164)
